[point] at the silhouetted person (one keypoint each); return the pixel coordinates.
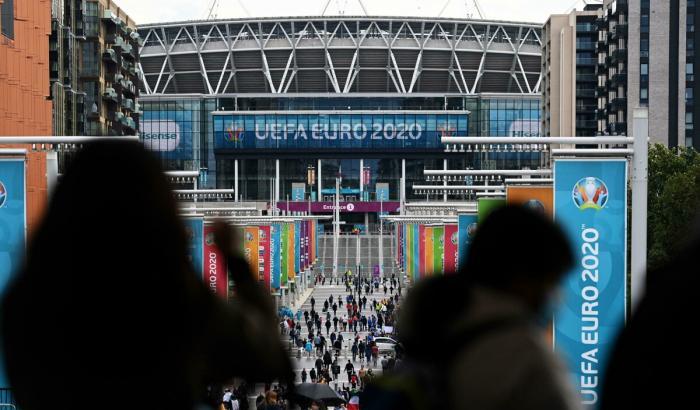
(486, 350)
(655, 359)
(107, 311)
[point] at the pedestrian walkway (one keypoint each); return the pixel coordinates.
(321, 293)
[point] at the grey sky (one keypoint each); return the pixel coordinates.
(149, 11)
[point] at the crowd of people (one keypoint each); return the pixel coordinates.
(340, 332)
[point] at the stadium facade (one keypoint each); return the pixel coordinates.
(307, 99)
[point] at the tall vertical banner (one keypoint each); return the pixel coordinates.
(13, 223)
(215, 274)
(291, 253)
(408, 264)
(537, 198)
(297, 248)
(451, 241)
(264, 256)
(466, 225)
(417, 235)
(250, 248)
(429, 251)
(438, 250)
(487, 205)
(284, 254)
(194, 231)
(590, 203)
(421, 252)
(275, 257)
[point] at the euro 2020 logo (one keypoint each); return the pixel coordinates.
(3, 195)
(590, 193)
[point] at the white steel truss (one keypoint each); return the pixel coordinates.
(341, 55)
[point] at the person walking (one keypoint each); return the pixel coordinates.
(303, 375)
(328, 326)
(354, 350)
(308, 347)
(349, 369)
(313, 302)
(327, 359)
(335, 369)
(375, 354)
(335, 309)
(312, 375)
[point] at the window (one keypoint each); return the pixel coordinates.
(644, 93)
(7, 19)
(688, 120)
(688, 94)
(644, 69)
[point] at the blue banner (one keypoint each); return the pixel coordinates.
(590, 202)
(359, 130)
(466, 228)
(13, 222)
(194, 229)
(275, 271)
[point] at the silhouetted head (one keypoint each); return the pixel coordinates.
(520, 252)
(106, 296)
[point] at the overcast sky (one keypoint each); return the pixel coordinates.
(150, 11)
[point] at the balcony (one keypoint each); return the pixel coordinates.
(583, 93)
(93, 111)
(619, 55)
(118, 42)
(617, 128)
(601, 114)
(128, 104)
(129, 88)
(110, 18)
(129, 123)
(137, 38)
(128, 52)
(620, 31)
(618, 103)
(619, 79)
(110, 95)
(110, 56)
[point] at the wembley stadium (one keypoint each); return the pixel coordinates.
(303, 100)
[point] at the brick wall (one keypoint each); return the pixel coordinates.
(24, 89)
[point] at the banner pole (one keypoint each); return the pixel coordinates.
(640, 178)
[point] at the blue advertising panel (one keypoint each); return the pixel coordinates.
(332, 129)
(194, 229)
(13, 222)
(275, 271)
(170, 133)
(466, 228)
(590, 203)
(297, 247)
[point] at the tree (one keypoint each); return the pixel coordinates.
(674, 199)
